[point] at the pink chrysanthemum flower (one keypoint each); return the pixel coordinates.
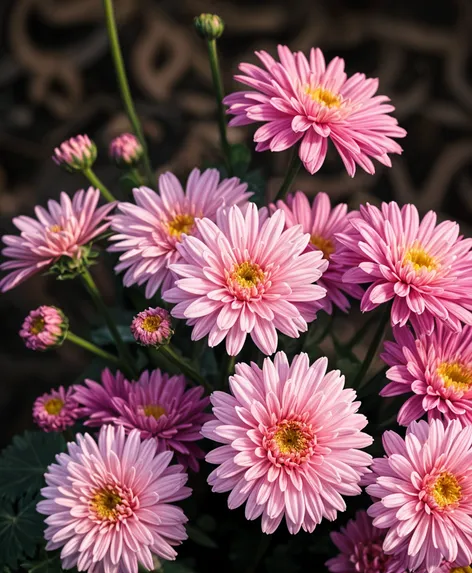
(423, 494)
(60, 231)
(425, 269)
(436, 367)
(301, 100)
(43, 328)
(56, 410)
(149, 232)
(246, 275)
(452, 568)
(291, 436)
(126, 150)
(76, 154)
(152, 327)
(360, 544)
(110, 504)
(322, 222)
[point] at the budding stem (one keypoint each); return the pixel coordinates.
(79, 341)
(169, 352)
(292, 172)
(97, 183)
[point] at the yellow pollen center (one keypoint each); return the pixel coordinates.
(289, 438)
(248, 274)
(37, 325)
(466, 569)
(151, 323)
(323, 97)
(419, 259)
(446, 490)
(456, 375)
(104, 503)
(154, 410)
(54, 406)
(324, 245)
(55, 228)
(181, 224)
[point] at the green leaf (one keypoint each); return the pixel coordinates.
(349, 368)
(256, 184)
(200, 537)
(240, 159)
(24, 463)
(48, 562)
(102, 336)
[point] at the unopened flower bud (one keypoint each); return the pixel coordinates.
(209, 26)
(76, 154)
(44, 328)
(126, 150)
(152, 327)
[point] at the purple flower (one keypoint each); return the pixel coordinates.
(44, 328)
(152, 327)
(56, 410)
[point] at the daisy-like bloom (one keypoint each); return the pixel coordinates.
(149, 232)
(44, 328)
(322, 223)
(247, 275)
(56, 410)
(152, 327)
(423, 268)
(76, 154)
(423, 493)
(61, 231)
(308, 102)
(291, 436)
(436, 367)
(453, 568)
(110, 505)
(126, 150)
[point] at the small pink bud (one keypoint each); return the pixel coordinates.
(126, 150)
(152, 327)
(76, 154)
(44, 328)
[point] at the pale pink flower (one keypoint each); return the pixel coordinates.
(56, 410)
(76, 154)
(291, 436)
(152, 327)
(149, 232)
(322, 223)
(423, 494)
(43, 328)
(246, 275)
(126, 150)
(436, 368)
(305, 101)
(60, 231)
(423, 268)
(110, 504)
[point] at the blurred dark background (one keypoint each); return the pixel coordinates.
(57, 80)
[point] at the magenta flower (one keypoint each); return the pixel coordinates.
(436, 368)
(76, 154)
(305, 101)
(110, 504)
(322, 223)
(152, 327)
(126, 150)
(246, 275)
(60, 231)
(56, 410)
(291, 436)
(43, 328)
(423, 268)
(149, 232)
(423, 494)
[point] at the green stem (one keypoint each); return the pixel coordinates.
(125, 356)
(292, 172)
(261, 551)
(124, 86)
(95, 181)
(91, 347)
(230, 367)
(169, 352)
(219, 94)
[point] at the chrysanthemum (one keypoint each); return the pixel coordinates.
(126, 150)
(152, 327)
(247, 276)
(322, 222)
(43, 328)
(56, 410)
(436, 367)
(59, 231)
(110, 504)
(291, 439)
(424, 493)
(305, 101)
(425, 269)
(452, 568)
(148, 233)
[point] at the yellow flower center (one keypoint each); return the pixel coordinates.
(37, 325)
(323, 97)
(154, 410)
(181, 224)
(455, 374)
(54, 406)
(419, 259)
(290, 438)
(151, 323)
(104, 503)
(55, 228)
(324, 245)
(446, 490)
(466, 569)
(248, 274)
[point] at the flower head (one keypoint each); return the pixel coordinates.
(149, 232)
(423, 268)
(110, 504)
(126, 150)
(291, 436)
(56, 410)
(246, 275)
(305, 101)
(152, 327)
(423, 493)
(209, 26)
(322, 223)
(76, 154)
(61, 231)
(44, 328)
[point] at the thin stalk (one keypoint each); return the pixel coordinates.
(79, 341)
(230, 367)
(97, 183)
(169, 352)
(261, 551)
(124, 85)
(292, 172)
